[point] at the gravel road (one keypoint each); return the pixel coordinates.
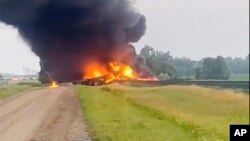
(43, 115)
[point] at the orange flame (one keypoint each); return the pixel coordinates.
(54, 84)
(114, 71)
(94, 70)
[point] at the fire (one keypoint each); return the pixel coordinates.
(113, 71)
(54, 84)
(94, 70)
(121, 71)
(128, 72)
(97, 73)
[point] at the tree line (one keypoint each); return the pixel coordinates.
(165, 66)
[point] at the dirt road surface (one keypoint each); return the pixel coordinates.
(43, 115)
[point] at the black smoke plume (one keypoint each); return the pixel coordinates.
(66, 34)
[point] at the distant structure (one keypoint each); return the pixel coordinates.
(29, 71)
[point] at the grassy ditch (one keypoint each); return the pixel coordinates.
(6, 91)
(172, 113)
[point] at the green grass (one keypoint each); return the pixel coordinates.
(239, 77)
(6, 91)
(173, 113)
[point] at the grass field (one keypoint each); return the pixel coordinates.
(171, 113)
(239, 77)
(6, 91)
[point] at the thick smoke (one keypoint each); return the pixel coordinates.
(67, 34)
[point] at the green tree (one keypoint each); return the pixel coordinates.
(222, 71)
(238, 65)
(158, 61)
(198, 74)
(147, 51)
(214, 68)
(184, 66)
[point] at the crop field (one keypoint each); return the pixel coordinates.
(167, 113)
(239, 77)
